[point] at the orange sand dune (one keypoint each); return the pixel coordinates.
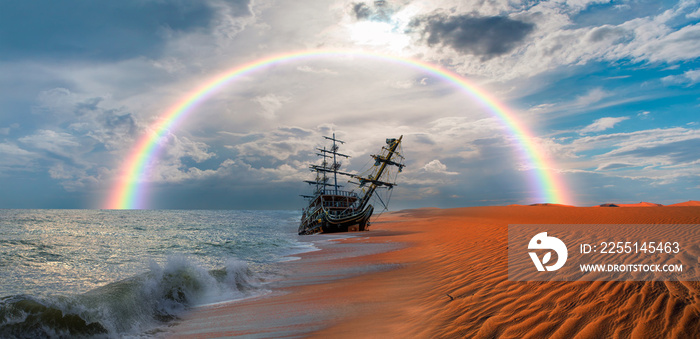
(687, 203)
(640, 204)
(450, 280)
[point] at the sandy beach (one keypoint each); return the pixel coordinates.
(442, 273)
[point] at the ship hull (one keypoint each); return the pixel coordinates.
(326, 223)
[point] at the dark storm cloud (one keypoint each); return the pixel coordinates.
(484, 36)
(111, 30)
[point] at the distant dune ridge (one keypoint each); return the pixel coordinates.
(687, 203)
(450, 280)
(609, 204)
(640, 204)
(647, 204)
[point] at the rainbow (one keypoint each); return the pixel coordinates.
(128, 192)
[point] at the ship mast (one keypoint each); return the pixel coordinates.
(336, 164)
(325, 168)
(382, 161)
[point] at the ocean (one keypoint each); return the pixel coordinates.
(114, 273)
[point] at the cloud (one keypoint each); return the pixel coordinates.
(435, 166)
(593, 96)
(16, 158)
(612, 166)
(6, 130)
(58, 143)
(550, 36)
(409, 83)
(674, 151)
(595, 99)
(618, 77)
(361, 10)
(178, 160)
(658, 155)
(668, 45)
(309, 69)
(94, 117)
(231, 17)
(602, 124)
(278, 145)
(378, 11)
(77, 138)
(688, 78)
(482, 36)
(63, 156)
(270, 104)
(607, 33)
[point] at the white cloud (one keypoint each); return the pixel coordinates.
(693, 75)
(96, 117)
(435, 166)
(688, 78)
(602, 124)
(403, 84)
(171, 167)
(309, 69)
(64, 157)
(593, 96)
(16, 158)
(660, 156)
(60, 143)
(232, 18)
(169, 64)
(280, 144)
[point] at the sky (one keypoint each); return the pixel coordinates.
(609, 90)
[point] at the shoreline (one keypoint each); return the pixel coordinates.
(443, 273)
(295, 304)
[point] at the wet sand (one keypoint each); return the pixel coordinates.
(443, 273)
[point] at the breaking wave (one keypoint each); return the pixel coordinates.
(135, 306)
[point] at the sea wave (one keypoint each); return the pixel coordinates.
(135, 306)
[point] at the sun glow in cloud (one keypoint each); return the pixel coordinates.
(387, 31)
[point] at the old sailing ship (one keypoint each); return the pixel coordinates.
(332, 209)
